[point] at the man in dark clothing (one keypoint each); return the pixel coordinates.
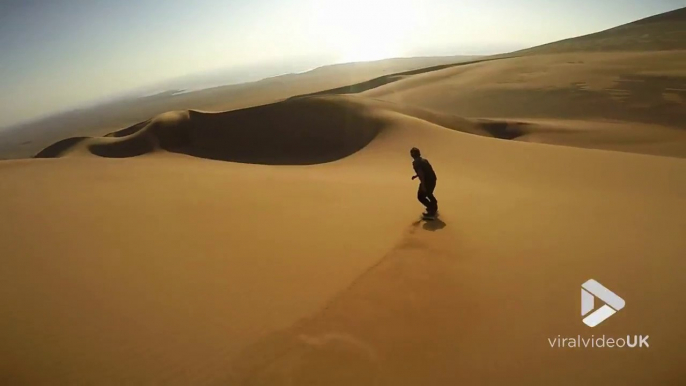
(428, 179)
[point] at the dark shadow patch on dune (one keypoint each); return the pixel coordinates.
(57, 149)
(171, 132)
(130, 147)
(298, 132)
(502, 129)
(434, 225)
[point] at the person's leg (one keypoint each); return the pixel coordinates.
(433, 202)
(421, 196)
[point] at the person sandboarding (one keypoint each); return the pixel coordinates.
(427, 178)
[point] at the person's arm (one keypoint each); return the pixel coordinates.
(416, 170)
(420, 174)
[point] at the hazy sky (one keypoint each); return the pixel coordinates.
(56, 54)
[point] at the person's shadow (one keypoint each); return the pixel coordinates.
(434, 225)
(431, 225)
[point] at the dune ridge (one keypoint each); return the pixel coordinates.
(26, 140)
(598, 91)
(664, 31)
(293, 132)
(303, 130)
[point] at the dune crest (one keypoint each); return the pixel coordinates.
(307, 131)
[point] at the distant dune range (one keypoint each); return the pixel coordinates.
(575, 92)
(655, 33)
(602, 105)
(28, 139)
(279, 242)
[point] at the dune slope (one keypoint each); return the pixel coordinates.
(176, 269)
(303, 130)
(293, 132)
(666, 31)
(634, 102)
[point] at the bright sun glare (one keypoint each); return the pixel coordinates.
(365, 30)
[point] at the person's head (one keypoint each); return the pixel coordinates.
(415, 153)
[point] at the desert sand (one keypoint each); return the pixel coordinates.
(280, 244)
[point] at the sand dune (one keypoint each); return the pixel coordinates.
(643, 91)
(295, 132)
(27, 140)
(275, 274)
(660, 32)
(280, 244)
(633, 102)
(386, 79)
(303, 130)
